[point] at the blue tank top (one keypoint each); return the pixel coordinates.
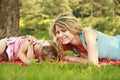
(108, 46)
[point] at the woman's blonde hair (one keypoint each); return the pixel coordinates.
(67, 21)
(70, 23)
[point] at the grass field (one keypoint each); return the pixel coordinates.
(57, 71)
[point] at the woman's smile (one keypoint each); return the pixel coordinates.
(63, 35)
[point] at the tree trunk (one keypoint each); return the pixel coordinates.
(9, 18)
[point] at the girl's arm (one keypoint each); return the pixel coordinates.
(92, 48)
(30, 52)
(23, 55)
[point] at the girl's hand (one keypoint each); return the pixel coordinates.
(34, 60)
(31, 39)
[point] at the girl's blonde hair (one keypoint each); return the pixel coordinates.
(70, 23)
(50, 53)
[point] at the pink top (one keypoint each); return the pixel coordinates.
(13, 46)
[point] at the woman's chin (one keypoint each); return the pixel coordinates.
(63, 42)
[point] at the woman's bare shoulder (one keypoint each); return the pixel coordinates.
(89, 31)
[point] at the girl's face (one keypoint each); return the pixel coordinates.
(44, 50)
(63, 35)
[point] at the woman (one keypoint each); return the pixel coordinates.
(27, 49)
(88, 43)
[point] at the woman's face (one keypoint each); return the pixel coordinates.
(63, 35)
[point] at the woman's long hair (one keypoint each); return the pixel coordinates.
(70, 23)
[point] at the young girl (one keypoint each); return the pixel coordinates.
(27, 49)
(90, 44)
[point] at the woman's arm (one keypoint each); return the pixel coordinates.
(92, 48)
(72, 59)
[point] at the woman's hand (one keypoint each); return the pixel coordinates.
(74, 59)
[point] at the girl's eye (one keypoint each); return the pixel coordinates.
(38, 43)
(40, 46)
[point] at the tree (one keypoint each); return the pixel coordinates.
(9, 18)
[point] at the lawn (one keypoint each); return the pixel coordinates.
(58, 71)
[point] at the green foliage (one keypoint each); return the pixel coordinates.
(96, 8)
(58, 71)
(40, 30)
(103, 24)
(32, 11)
(36, 16)
(106, 25)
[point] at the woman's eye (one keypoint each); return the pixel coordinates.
(57, 32)
(64, 30)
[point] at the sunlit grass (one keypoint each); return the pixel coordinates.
(57, 71)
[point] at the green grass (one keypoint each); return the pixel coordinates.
(47, 71)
